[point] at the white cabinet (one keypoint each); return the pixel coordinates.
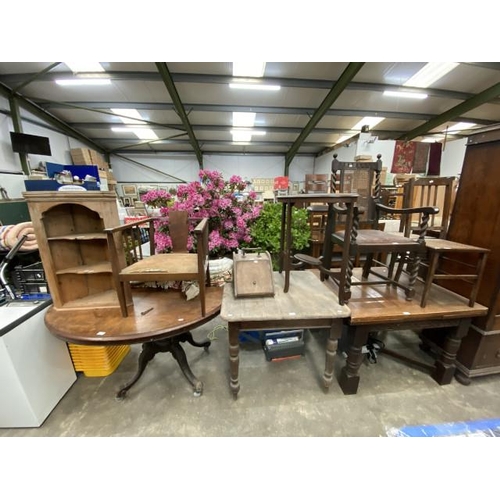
(36, 369)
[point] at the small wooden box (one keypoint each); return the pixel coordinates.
(253, 275)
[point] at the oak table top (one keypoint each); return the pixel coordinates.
(157, 314)
(386, 304)
(307, 299)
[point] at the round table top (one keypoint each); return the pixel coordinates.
(156, 315)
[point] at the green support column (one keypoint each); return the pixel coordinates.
(18, 127)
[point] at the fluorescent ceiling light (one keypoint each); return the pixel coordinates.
(371, 121)
(430, 73)
(128, 115)
(248, 131)
(255, 69)
(122, 129)
(245, 135)
(242, 137)
(141, 133)
(145, 133)
(84, 67)
(85, 81)
(461, 126)
(243, 119)
(253, 86)
(407, 95)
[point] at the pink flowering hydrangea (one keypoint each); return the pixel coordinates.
(157, 198)
(230, 213)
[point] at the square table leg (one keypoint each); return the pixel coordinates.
(349, 376)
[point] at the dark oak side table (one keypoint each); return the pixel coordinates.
(289, 201)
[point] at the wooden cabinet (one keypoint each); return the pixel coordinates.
(475, 220)
(69, 229)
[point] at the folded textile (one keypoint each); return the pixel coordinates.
(4, 231)
(12, 233)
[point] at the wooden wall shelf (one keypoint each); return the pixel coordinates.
(69, 228)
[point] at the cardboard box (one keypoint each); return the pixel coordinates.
(84, 156)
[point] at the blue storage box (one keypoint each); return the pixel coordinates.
(79, 170)
(51, 185)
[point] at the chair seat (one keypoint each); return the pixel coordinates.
(374, 238)
(443, 245)
(177, 266)
(447, 252)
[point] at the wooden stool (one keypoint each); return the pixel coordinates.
(436, 248)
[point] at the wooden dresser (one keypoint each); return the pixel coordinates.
(475, 220)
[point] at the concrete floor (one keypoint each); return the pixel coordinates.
(276, 399)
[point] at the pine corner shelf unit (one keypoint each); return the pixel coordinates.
(69, 229)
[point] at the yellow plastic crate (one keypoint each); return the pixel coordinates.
(95, 361)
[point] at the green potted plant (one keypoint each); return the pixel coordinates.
(266, 230)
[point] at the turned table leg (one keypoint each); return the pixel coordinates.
(349, 378)
(331, 350)
(445, 367)
(234, 358)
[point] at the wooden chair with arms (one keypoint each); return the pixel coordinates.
(129, 264)
(444, 259)
(420, 191)
(429, 191)
(364, 178)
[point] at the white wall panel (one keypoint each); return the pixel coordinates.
(452, 159)
(158, 168)
(245, 166)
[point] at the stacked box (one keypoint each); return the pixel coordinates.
(97, 361)
(81, 156)
(84, 156)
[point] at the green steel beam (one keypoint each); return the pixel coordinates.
(169, 83)
(13, 78)
(36, 110)
(34, 77)
(18, 127)
(472, 103)
(339, 86)
(147, 142)
(146, 123)
(223, 108)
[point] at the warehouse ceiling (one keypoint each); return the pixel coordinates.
(312, 107)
